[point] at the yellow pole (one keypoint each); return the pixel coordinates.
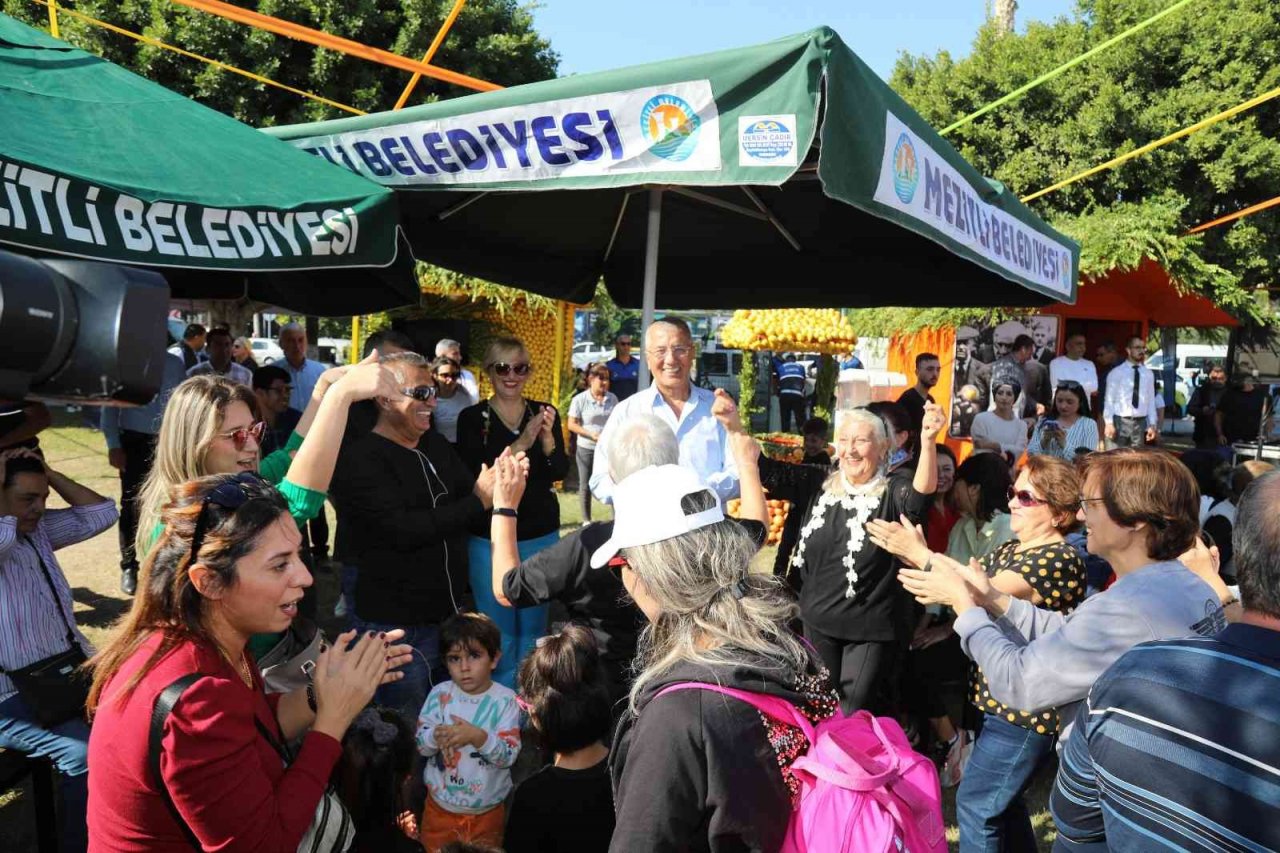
(53, 19)
(558, 367)
(431, 52)
(355, 340)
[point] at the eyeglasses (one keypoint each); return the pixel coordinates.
(240, 437)
(283, 390)
(523, 705)
(420, 392)
(616, 565)
(446, 376)
(504, 369)
(1024, 497)
(232, 495)
(679, 352)
(1086, 501)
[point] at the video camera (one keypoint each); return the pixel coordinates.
(80, 331)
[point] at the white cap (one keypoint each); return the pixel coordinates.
(646, 509)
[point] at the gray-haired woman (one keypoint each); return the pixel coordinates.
(692, 770)
(849, 602)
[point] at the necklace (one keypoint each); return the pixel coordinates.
(861, 501)
(491, 407)
(241, 667)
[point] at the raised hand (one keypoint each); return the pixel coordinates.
(345, 678)
(725, 410)
(509, 479)
(370, 379)
(934, 420)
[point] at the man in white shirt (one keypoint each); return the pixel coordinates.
(1074, 366)
(303, 372)
(685, 408)
(447, 348)
(220, 363)
(1131, 411)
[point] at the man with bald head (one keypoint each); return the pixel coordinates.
(668, 351)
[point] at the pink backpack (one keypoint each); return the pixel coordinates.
(863, 789)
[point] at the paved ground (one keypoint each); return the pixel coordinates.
(93, 570)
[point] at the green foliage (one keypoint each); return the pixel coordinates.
(824, 388)
(747, 378)
(886, 322)
(1197, 62)
(454, 286)
(493, 40)
(610, 319)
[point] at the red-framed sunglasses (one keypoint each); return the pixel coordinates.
(1024, 498)
(240, 437)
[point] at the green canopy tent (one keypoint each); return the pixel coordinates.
(785, 174)
(98, 163)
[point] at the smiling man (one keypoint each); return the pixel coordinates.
(703, 442)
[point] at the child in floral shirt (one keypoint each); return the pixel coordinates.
(469, 729)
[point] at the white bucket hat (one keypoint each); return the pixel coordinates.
(646, 509)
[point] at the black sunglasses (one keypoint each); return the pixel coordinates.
(232, 495)
(504, 369)
(1069, 384)
(420, 392)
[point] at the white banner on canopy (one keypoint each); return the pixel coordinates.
(919, 183)
(672, 128)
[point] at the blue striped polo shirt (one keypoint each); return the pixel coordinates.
(1178, 748)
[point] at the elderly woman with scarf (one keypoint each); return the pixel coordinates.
(849, 603)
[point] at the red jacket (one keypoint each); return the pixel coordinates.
(227, 782)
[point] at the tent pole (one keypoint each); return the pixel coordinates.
(650, 275)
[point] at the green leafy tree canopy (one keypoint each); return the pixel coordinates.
(493, 40)
(1197, 62)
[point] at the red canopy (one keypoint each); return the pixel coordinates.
(1143, 295)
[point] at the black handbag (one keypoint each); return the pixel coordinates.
(55, 688)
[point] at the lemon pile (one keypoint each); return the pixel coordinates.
(538, 331)
(821, 330)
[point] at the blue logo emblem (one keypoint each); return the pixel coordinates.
(906, 171)
(767, 140)
(670, 126)
(1066, 271)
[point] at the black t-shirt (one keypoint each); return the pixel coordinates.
(482, 436)
(914, 404)
(871, 613)
(593, 597)
(562, 811)
(1242, 412)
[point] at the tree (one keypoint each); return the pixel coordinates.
(493, 40)
(1197, 62)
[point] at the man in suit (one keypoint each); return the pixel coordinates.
(970, 382)
(1044, 351)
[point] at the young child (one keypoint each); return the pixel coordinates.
(816, 449)
(377, 758)
(469, 730)
(567, 805)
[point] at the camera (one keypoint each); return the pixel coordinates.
(80, 331)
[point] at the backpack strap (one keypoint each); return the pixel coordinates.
(780, 709)
(160, 712)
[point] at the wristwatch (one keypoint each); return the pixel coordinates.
(504, 510)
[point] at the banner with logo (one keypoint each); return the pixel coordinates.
(657, 128)
(915, 180)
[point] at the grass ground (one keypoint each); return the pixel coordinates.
(93, 570)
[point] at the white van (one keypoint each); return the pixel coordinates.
(1193, 361)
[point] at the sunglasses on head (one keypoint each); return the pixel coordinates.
(420, 392)
(1069, 384)
(240, 437)
(1024, 497)
(232, 495)
(504, 369)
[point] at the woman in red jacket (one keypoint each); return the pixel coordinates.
(225, 568)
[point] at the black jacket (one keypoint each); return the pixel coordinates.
(695, 770)
(408, 514)
(482, 437)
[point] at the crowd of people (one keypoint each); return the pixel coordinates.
(1117, 608)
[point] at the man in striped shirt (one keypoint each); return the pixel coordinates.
(1178, 745)
(36, 615)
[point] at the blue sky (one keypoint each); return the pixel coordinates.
(591, 35)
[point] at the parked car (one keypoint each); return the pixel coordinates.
(1192, 361)
(265, 350)
(588, 352)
